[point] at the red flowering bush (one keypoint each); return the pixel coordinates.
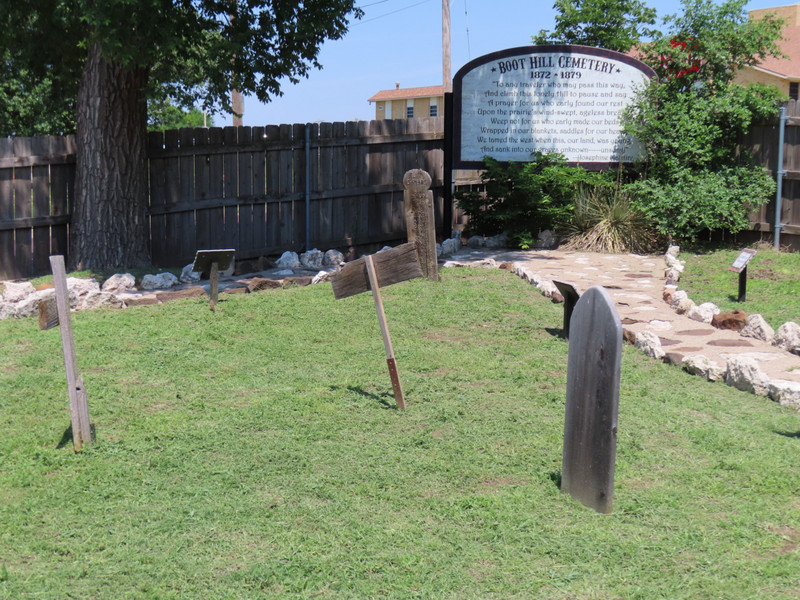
(683, 58)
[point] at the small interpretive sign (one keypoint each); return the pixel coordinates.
(740, 264)
(550, 99)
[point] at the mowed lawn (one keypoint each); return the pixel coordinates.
(256, 452)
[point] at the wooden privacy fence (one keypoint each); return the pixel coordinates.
(762, 142)
(37, 180)
(246, 188)
(264, 190)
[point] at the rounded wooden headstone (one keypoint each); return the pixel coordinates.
(593, 377)
(417, 181)
(421, 221)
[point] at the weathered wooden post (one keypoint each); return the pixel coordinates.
(593, 379)
(370, 273)
(78, 401)
(421, 220)
(397, 388)
(213, 261)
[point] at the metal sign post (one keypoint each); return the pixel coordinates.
(740, 266)
(571, 297)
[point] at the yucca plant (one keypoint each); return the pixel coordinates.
(605, 221)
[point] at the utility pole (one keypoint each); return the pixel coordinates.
(448, 80)
(237, 102)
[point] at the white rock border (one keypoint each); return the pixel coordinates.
(740, 372)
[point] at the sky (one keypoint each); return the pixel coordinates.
(400, 41)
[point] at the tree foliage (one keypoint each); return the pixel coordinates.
(163, 114)
(199, 50)
(34, 104)
(612, 24)
(692, 118)
(117, 53)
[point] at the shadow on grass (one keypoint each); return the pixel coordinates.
(555, 331)
(789, 434)
(66, 439)
(385, 399)
(555, 477)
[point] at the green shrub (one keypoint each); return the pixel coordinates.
(692, 117)
(522, 199)
(691, 201)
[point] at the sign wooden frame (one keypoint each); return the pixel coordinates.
(511, 103)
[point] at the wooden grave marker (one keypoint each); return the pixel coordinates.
(213, 261)
(421, 220)
(571, 297)
(371, 273)
(82, 429)
(593, 379)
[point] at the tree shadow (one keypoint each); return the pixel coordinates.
(555, 331)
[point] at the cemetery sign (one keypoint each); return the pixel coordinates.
(551, 99)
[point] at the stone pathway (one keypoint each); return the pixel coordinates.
(636, 284)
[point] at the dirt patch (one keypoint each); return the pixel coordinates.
(445, 336)
(768, 275)
(790, 536)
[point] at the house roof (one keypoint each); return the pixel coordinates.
(399, 93)
(790, 46)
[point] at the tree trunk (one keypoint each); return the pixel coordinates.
(109, 227)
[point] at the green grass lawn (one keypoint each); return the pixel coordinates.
(256, 452)
(773, 282)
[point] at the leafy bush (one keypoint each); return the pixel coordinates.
(692, 117)
(522, 199)
(693, 201)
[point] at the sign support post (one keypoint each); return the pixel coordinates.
(740, 266)
(387, 341)
(78, 401)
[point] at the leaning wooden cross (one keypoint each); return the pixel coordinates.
(590, 424)
(82, 430)
(371, 273)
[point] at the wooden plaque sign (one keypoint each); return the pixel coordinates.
(421, 221)
(205, 258)
(590, 424)
(213, 261)
(395, 265)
